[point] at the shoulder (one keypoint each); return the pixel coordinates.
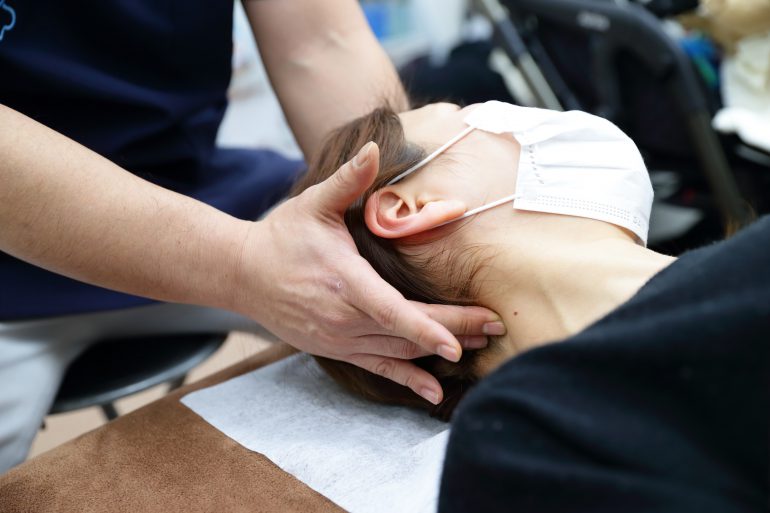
(580, 429)
(749, 247)
(718, 291)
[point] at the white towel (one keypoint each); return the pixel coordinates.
(365, 457)
(746, 92)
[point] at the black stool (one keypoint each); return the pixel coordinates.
(116, 368)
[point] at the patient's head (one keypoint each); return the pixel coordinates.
(399, 228)
(423, 266)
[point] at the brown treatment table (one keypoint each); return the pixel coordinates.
(162, 457)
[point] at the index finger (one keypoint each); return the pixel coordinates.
(465, 320)
(405, 373)
(401, 318)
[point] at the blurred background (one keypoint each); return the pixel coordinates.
(689, 81)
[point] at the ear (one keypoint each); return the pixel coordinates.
(391, 214)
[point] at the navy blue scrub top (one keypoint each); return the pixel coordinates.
(142, 82)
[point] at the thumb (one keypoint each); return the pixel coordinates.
(336, 193)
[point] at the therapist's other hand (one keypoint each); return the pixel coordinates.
(314, 291)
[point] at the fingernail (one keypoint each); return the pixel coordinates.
(449, 353)
(429, 395)
(493, 328)
(474, 342)
(363, 155)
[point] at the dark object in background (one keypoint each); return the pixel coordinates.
(665, 8)
(620, 63)
(616, 60)
(115, 368)
(465, 78)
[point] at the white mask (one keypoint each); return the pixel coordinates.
(571, 163)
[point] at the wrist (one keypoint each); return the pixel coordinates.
(242, 275)
(217, 249)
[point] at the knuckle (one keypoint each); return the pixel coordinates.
(336, 322)
(423, 338)
(412, 351)
(340, 178)
(402, 350)
(411, 381)
(386, 316)
(313, 331)
(465, 326)
(385, 368)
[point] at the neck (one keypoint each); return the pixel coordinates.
(546, 291)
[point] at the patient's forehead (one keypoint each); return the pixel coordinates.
(432, 125)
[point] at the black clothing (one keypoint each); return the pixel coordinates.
(661, 406)
(144, 84)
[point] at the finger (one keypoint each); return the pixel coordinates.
(405, 373)
(373, 296)
(473, 341)
(336, 193)
(393, 347)
(465, 320)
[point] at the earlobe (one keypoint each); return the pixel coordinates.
(391, 216)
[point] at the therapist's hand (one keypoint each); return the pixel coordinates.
(316, 292)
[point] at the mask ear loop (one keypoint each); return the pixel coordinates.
(478, 210)
(432, 156)
(435, 154)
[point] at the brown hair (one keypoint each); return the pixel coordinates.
(443, 279)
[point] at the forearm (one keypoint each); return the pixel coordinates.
(65, 208)
(324, 63)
